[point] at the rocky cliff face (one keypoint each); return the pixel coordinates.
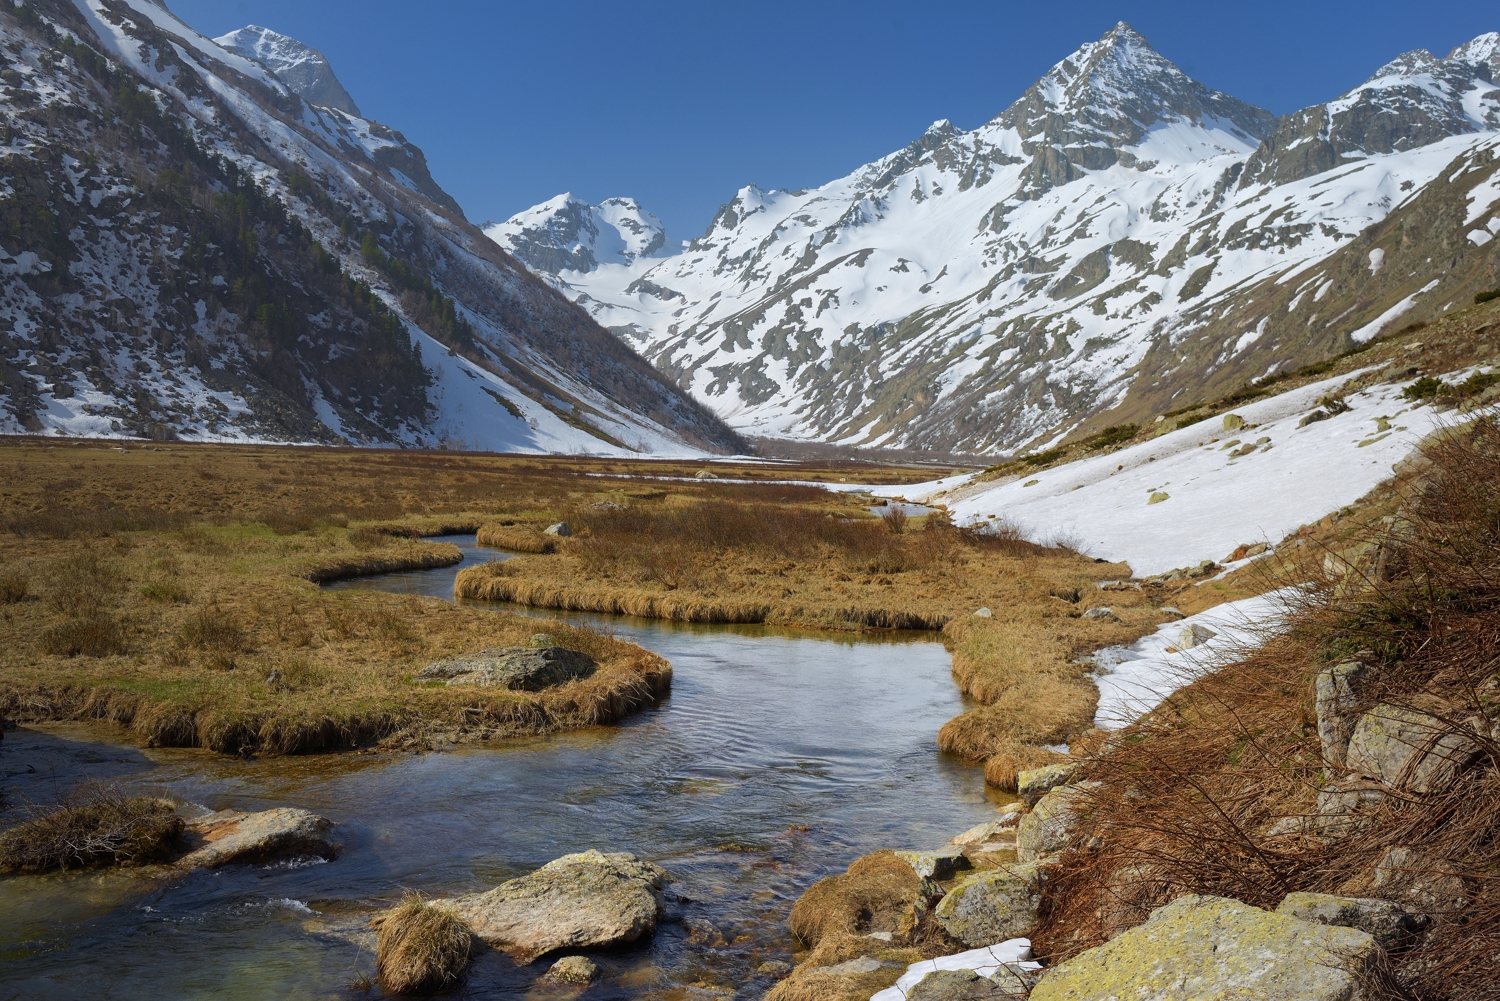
(1113, 244)
(193, 250)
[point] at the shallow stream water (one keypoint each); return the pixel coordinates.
(766, 732)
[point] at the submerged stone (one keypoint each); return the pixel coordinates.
(572, 970)
(517, 668)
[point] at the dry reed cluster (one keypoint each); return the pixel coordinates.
(1196, 798)
(97, 826)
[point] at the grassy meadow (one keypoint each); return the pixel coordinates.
(174, 589)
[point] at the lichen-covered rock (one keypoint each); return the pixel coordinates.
(850, 967)
(1034, 783)
(989, 831)
(1336, 699)
(1386, 920)
(231, 835)
(1215, 949)
(1047, 829)
(994, 905)
(584, 901)
(517, 668)
(940, 863)
(1407, 749)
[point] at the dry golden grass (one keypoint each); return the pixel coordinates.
(175, 593)
(420, 949)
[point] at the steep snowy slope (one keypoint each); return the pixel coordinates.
(1103, 249)
(302, 68)
(189, 249)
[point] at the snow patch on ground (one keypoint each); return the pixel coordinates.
(1214, 501)
(983, 961)
(1134, 679)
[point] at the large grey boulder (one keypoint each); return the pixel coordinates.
(1049, 827)
(1409, 750)
(1337, 696)
(1389, 922)
(1034, 783)
(231, 835)
(1215, 949)
(584, 901)
(994, 905)
(517, 668)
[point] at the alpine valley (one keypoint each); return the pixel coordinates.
(1119, 242)
(203, 240)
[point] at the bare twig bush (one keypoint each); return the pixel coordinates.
(894, 517)
(96, 636)
(98, 825)
(14, 588)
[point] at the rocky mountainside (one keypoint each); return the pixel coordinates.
(193, 248)
(569, 234)
(1119, 242)
(302, 68)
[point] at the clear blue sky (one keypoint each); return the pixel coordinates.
(681, 103)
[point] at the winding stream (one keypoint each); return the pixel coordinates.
(766, 731)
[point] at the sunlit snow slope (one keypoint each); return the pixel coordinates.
(1119, 241)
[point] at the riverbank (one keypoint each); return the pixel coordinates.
(219, 637)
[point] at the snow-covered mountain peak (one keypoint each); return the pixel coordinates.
(568, 234)
(1117, 88)
(302, 68)
(1485, 50)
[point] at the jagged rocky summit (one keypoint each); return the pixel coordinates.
(1120, 241)
(302, 68)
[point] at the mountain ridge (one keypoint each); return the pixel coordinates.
(1004, 287)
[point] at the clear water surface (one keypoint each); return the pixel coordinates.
(766, 732)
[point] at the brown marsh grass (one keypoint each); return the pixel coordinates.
(1197, 796)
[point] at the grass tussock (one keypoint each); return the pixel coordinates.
(879, 892)
(420, 949)
(1217, 790)
(516, 538)
(99, 826)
